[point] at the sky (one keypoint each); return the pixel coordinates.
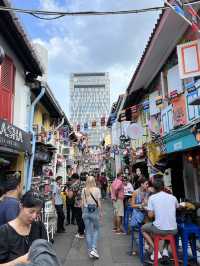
(111, 44)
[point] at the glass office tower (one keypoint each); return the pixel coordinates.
(89, 103)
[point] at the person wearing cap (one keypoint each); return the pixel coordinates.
(58, 203)
(9, 205)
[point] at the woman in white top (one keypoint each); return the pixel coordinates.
(92, 211)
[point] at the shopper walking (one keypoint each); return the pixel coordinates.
(91, 214)
(103, 185)
(117, 196)
(9, 205)
(58, 203)
(70, 199)
(77, 187)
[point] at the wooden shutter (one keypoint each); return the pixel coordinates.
(7, 76)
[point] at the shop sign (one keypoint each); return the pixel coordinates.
(189, 59)
(178, 146)
(13, 137)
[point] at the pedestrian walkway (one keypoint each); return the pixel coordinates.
(112, 248)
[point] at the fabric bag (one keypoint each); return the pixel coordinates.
(137, 215)
(91, 207)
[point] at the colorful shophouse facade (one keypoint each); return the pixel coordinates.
(159, 100)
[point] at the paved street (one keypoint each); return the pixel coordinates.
(112, 248)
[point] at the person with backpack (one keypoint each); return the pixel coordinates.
(103, 185)
(70, 200)
(92, 212)
(77, 187)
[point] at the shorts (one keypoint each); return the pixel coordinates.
(118, 207)
(152, 229)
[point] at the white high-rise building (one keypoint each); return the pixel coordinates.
(89, 102)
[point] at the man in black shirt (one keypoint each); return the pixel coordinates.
(9, 205)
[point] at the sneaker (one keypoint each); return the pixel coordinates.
(79, 236)
(90, 255)
(152, 256)
(165, 253)
(94, 253)
(120, 232)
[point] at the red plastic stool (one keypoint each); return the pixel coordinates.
(171, 240)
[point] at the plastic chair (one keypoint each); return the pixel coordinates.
(186, 231)
(171, 240)
(141, 241)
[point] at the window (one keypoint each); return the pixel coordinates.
(174, 81)
(7, 76)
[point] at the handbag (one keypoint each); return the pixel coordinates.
(91, 207)
(137, 215)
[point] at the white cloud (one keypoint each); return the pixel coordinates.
(112, 44)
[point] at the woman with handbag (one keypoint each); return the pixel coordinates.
(138, 202)
(92, 212)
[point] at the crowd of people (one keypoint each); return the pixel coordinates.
(79, 203)
(153, 208)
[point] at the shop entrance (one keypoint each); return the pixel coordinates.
(8, 162)
(176, 164)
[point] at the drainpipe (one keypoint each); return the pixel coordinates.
(30, 165)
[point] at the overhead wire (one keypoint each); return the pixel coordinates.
(50, 15)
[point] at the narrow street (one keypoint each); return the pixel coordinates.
(112, 248)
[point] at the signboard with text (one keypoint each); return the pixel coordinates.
(14, 138)
(189, 59)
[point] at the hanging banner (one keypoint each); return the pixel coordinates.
(189, 59)
(179, 111)
(14, 138)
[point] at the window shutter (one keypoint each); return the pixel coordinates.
(7, 76)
